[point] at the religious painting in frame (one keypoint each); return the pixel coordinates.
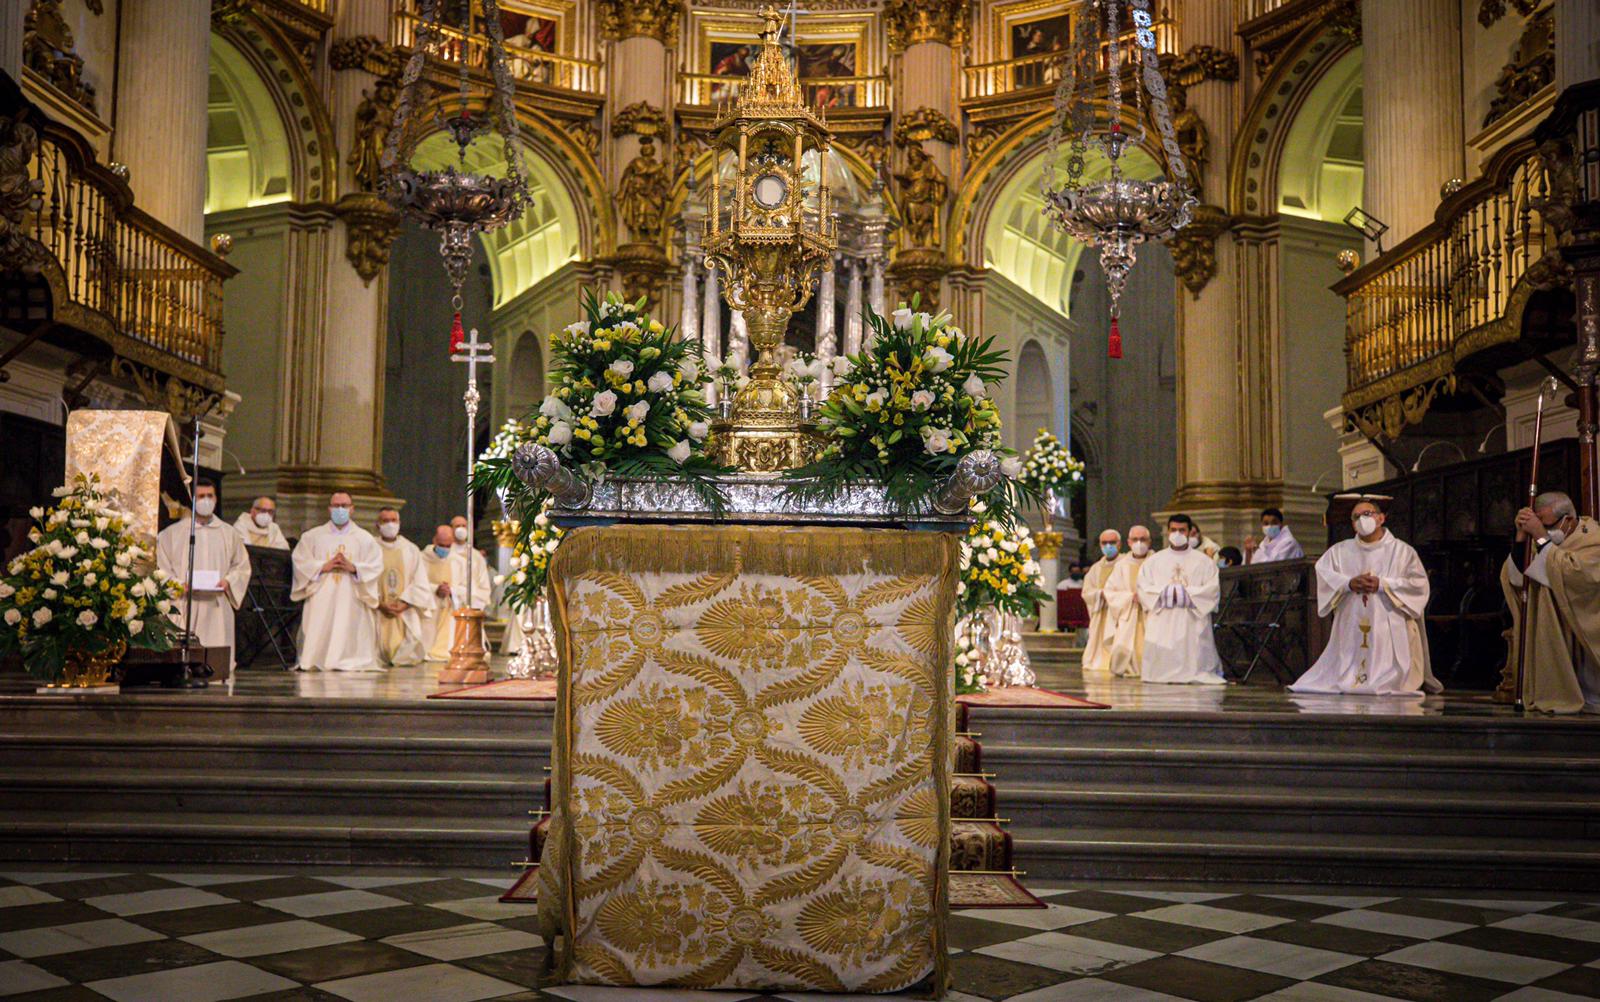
(819, 62)
(528, 30)
(1038, 37)
(731, 60)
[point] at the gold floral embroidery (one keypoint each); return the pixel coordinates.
(665, 726)
(764, 823)
(862, 920)
(854, 726)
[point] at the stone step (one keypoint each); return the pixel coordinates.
(162, 713)
(1466, 736)
(105, 837)
(1515, 818)
(304, 754)
(175, 795)
(1317, 859)
(1293, 770)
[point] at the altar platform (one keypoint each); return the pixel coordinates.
(1242, 784)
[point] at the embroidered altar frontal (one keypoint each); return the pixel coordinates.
(751, 772)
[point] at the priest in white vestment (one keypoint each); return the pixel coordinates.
(1375, 588)
(1562, 672)
(221, 570)
(259, 525)
(1277, 541)
(1121, 595)
(1097, 652)
(406, 595)
(462, 560)
(338, 571)
(1179, 590)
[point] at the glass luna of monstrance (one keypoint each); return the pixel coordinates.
(770, 228)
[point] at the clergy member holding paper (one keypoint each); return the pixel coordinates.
(1097, 653)
(338, 571)
(221, 569)
(1375, 588)
(1562, 673)
(406, 596)
(259, 525)
(1121, 596)
(1179, 591)
(461, 560)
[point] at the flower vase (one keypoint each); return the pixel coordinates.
(805, 404)
(997, 638)
(725, 404)
(1048, 511)
(537, 659)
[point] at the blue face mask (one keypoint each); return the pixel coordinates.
(1109, 549)
(441, 551)
(340, 515)
(1272, 531)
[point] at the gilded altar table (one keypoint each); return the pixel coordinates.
(751, 768)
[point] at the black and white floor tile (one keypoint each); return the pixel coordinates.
(67, 936)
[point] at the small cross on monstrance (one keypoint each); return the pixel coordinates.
(468, 663)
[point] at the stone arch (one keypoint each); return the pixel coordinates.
(1258, 151)
(1035, 405)
(1321, 165)
(526, 387)
(249, 45)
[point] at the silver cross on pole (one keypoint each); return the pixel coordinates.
(474, 353)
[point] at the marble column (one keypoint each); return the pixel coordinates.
(875, 294)
(689, 314)
(641, 38)
(711, 327)
(160, 131)
(1411, 110)
(852, 310)
(827, 342)
(738, 335)
(1577, 42)
(11, 18)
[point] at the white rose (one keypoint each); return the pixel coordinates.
(560, 433)
(902, 318)
(87, 618)
(138, 589)
(936, 440)
(936, 359)
(978, 507)
(161, 575)
(679, 453)
(1009, 545)
(135, 627)
(1011, 466)
(61, 492)
(699, 430)
(124, 559)
(6, 591)
(90, 578)
(13, 617)
(689, 369)
(541, 520)
(921, 400)
(1031, 568)
(992, 553)
(98, 543)
(578, 327)
(637, 411)
(555, 408)
(604, 403)
(876, 397)
(42, 616)
(550, 545)
(102, 523)
(984, 559)
(164, 606)
(622, 367)
(661, 382)
(974, 387)
(842, 366)
(49, 594)
(36, 512)
(82, 539)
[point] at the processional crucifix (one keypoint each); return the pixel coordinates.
(467, 655)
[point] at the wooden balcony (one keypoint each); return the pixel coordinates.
(101, 277)
(1451, 290)
(567, 84)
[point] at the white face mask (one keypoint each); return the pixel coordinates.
(1139, 547)
(461, 534)
(1366, 525)
(388, 530)
(1556, 535)
(263, 519)
(1178, 540)
(205, 506)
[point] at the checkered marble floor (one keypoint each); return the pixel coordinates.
(200, 937)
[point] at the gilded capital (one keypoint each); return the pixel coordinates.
(913, 21)
(371, 227)
(622, 19)
(1194, 248)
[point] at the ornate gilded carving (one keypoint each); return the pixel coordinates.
(1205, 62)
(1190, 131)
(374, 118)
(1490, 11)
(657, 19)
(925, 123)
(1388, 417)
(913, 21)
(20, 192)
(364, 52)
(1532, 67)
(371, 227)
(641, 119)
(871, 148)
(47, 49)
(229, 11)
(642, 193)
(982, 138)
(1271, 34)
(1345, 20)
(643, 269)
(685, 152)
(163, 391)
(923, 190)
(1194, 248)
(920, 271)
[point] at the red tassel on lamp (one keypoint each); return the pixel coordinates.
(1114, 345)
(457, 335)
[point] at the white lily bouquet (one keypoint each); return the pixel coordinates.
(904, 411)
(530, 560)
(83, 591)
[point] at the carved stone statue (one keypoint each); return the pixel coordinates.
(923, 190)
(1190, 132)
(47, 49)
(642, 193)
(374, 117)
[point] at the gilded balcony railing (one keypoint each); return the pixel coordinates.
(1044, 69)
(551, 69)
(116, 272)
(706, 89)
(1451, 289)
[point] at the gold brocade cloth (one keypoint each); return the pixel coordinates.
(751, 775)
(124, 449)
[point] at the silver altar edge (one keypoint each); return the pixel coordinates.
(751, 498)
